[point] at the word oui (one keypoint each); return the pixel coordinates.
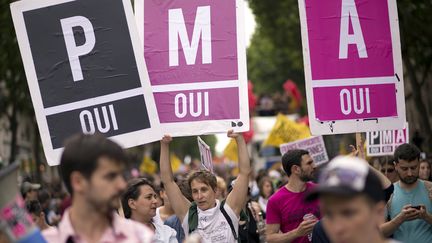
(87, 119)
(181, 103)
(350, 102)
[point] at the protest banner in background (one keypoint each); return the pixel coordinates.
(285, 131)
(196, 59)
(81, 59)
(231, 151)
(382, 143)
(353, 65)
(314, 145)
(206, 155)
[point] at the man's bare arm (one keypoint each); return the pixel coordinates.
(273, 234)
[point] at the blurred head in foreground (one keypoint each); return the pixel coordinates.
(351, 201)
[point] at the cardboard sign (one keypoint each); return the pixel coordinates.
(314, 145)
(81, 59)
(353, 65)
(206, 155)
(382, 143)
(196, 59)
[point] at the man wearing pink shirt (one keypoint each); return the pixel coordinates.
(286, 209)
(92, 170)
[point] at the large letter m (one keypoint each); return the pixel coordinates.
(177, 30)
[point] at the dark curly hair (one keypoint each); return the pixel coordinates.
(292, 157)
(406, 152)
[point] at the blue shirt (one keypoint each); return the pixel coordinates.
(175, 223)
(418, 230)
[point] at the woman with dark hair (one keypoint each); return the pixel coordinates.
(140, 203)
(266, 189)
(425, 170)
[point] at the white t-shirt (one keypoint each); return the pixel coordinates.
(164, 234)
(212, 225)
(157, 218)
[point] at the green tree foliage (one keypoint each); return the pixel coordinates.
(275, 54)
(14, 93)
(189, 146)
(416, 34)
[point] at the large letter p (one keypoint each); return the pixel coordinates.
(74, 51)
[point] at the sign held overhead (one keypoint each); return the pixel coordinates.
(353, 65)
(85, 71)
(196, 58)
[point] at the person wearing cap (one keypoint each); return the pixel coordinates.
(410, 207)
(29, 191)
(92, 168)
(318, 233)
(352, 201)
(286, 209)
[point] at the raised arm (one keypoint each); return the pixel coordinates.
(236, 199)
(179, 203)
(359, 152)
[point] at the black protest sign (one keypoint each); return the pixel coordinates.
(81, 60)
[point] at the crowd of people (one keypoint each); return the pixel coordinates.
(345, 200)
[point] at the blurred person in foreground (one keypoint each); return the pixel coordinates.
(92, 169)
(352, 201)
(215, 221)
(318, 233)
(140, 203)
(410, 206)
(286, 209)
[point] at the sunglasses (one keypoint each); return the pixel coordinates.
(387, 171)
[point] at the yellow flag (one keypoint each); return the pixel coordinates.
(285, 131)
(230, 151)
(175, 162)
(148, 166)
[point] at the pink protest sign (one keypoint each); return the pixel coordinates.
(196, 60)
(353, 65)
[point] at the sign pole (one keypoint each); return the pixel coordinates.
(358, 139)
